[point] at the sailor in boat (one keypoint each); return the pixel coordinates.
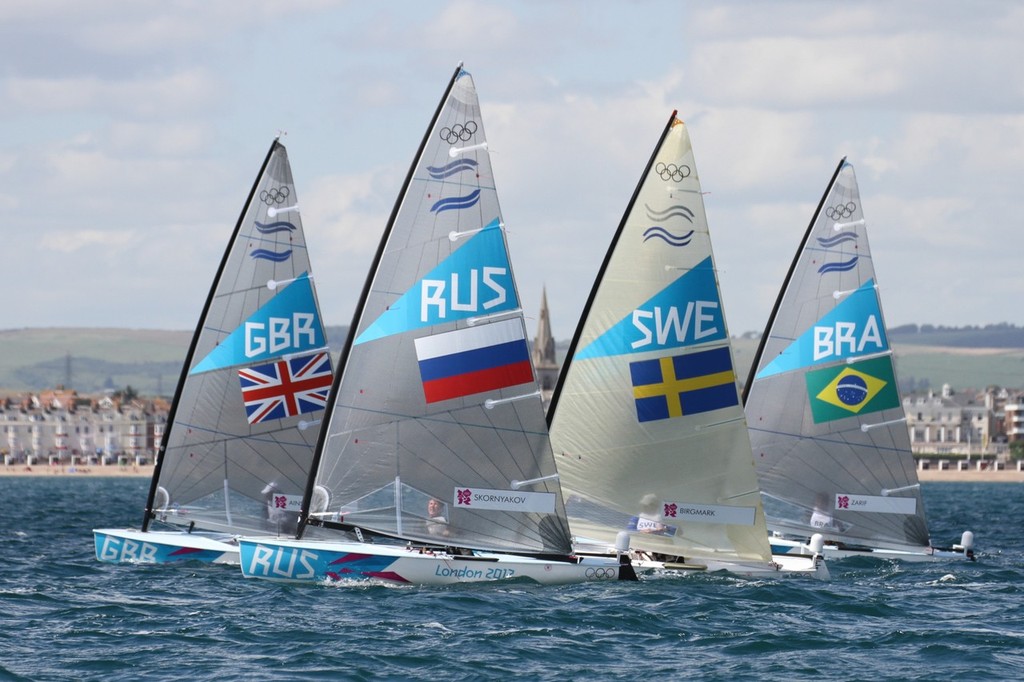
(278, 518)
(646, 521)
(821, 517)
(437, 522)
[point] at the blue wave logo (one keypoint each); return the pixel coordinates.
(456, 203)
(658, 232)
(271, 228)
(829, 242)
(267, 254)
(677, 211)
(842, 266)
(440, 173)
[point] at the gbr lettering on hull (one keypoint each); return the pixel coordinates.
(122, 550)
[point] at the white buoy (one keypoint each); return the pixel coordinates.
(967, 540)
(817, 543)
(622, 542)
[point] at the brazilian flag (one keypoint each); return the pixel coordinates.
(849, 390)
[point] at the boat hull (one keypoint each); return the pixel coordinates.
(297, 561)
(125, 545)
(832, 552)
(780, 566)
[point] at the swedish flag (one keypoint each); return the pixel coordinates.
(848, 390)
(681, 385)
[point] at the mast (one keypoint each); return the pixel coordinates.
(357, 317)
(604, 266)
(190, 355)
(785, 285)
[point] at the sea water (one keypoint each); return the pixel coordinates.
(65, 616)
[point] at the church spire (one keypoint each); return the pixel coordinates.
(544, 359)
(544, 343)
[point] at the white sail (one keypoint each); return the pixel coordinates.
(646, 422)
(437, 399)
(829, 432)
(238, 445)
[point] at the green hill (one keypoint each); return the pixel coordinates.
(93, 360)
(150, 361)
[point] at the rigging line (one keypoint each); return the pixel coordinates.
(819, 439)
(670, 268)
(702, 427)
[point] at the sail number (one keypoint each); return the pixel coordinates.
(845, 339)
(278, 334)
(699, 319)
(442, 296)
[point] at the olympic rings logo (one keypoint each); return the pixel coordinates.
(604, 573)
(275, 195)
(841, 211)
(459, 132)
(670, 171)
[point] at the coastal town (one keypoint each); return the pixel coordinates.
(966, 435)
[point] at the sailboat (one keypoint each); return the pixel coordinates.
(827, 426)
(434, 466)
(646, 422)
(237, 447)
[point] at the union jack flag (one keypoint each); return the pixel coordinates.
(286, 388)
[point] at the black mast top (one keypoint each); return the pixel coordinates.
(195, 337)
(358, 315)
(604, 267)
(785, 284)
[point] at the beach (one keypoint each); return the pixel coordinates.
(950, 475)
(46, 471)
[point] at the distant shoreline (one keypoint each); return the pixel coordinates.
(132, 471)
(109, 471)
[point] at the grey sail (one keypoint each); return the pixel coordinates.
(239, 441)
(436, 404)
(827, 426)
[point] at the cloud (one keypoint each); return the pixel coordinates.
(184, 92)
(71, 241)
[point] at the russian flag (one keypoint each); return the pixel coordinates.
(473, 360)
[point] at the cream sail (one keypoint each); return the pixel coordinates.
(646, 422)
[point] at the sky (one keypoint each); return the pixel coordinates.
(131, 132)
